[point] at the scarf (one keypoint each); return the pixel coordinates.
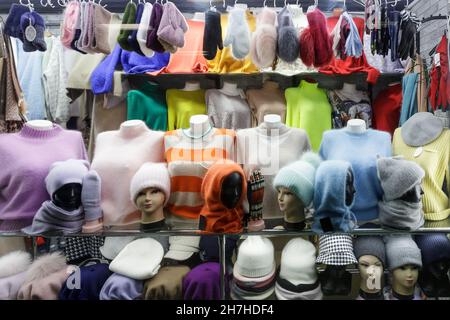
(53, 218)
(401, 215)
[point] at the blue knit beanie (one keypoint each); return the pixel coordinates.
(12, 24)
(299, 177)
(37, 22)
(329, 197)
(92, 280)
(434, 247)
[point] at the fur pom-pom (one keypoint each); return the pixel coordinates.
(312, 158)
(14, 263)
(288, 44)
(46, 265)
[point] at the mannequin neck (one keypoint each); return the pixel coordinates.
(132, 128)
(230, 88)
(199, 126)
(356, 126)
(155, 217)
(41, 125)
(191, 86)
(272, 121)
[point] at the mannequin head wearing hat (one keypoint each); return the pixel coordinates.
(231, 190)
(404, 279)
(150, 201)
(68, 196)
(291, 206)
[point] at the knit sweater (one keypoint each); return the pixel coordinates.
(183, 104)
(267, 100)
(270, 151)
(148, 105)
(228, 109)
(386, 109)
(26, 158)
(188, 160)
(434, 160)
(308, 108)
(361, 150)
(118, 156)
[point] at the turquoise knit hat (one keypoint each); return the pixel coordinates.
(299, 177)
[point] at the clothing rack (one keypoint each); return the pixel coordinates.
(425, 20)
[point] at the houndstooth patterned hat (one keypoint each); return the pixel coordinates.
(336, 250)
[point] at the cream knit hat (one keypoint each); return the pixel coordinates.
(182, 247)
(298, 262)
(150, 175)
(255, 257)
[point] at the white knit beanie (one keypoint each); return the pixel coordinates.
(299, 177)
(139, 260)
(255, 257)
(298, 262)
(150, 175)
(182, 247)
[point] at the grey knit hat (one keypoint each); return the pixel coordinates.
(370, 245)
(65, 172)
(402, 250)
(421, 129)
(398, 176)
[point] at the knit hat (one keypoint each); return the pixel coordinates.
(371, 246)
(401, 250)
(172, 26)
(143, 30)
(263, 48)
(37, 41)
(155, 19)
(151, 175)
(71, 16)
(212, 37)
(182, 247)
(13, 267)
(298, 262)
(421, 129)
(288, 44)
(238, 33)
(118, 287)
(215, 216)
(139, 259)
(336, 250)
(255, 258)
(12, 23)
(330, 198)
(398, 176)
(65, 172)
(45, 278)
(92, 279)
(434, 247)
(113, 245)
(203, 282)
(101, 23)
(299, 177)
(167, 284)
(90, 199)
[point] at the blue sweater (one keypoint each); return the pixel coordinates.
(361, 151)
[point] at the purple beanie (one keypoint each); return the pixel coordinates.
(203, 282)
(119, 287)
(92, 280)
(12, 24)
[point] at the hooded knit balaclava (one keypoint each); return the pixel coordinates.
(65, 172)
(215, 216)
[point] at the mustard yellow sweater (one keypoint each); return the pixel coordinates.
(435, 160)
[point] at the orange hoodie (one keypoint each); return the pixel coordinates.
(218, 218)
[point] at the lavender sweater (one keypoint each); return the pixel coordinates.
(25, 159)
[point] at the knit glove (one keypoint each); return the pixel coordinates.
(263, 47)
(255, 196)
(238, 34)
(406, 47)
(167, 284)
(172, 27)
(36, 21)
(90, 199)
(212, 37)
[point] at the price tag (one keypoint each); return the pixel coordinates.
(437, 59)
(30, 32)
(418, 152)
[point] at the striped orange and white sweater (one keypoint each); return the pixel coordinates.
(188, 160)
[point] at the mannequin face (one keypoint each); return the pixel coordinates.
(335, 280)
(290, 205)
(150, 200)
(414, 195)
(68, 196)
(405, 279)
(231, 190)
(371, 270)
(349, 188)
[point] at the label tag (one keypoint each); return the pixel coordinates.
(418, 152)
(437, 59)
(30, 33)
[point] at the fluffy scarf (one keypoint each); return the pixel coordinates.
(401, 215)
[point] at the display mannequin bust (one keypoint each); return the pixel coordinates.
(272, 121)
(356, 126)
(229, 86)
(40, 124)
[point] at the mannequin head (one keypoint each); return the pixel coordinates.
(68, 196)
(349, 188)
(336, 280)
(371, 271)
(150, 200)
(290, 205)
(231, 190)
(404, 279)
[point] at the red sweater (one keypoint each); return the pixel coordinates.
(386, 109)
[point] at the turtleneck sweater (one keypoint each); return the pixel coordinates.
(26, 158)
(118, 155)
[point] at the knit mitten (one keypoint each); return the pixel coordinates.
(129, 17)
(36, 21)
(264, 40)
(212, 38)
(288, 41)
(255, 196)
(173, 26)
(152, 37)
(90, 199)
(238, 34)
